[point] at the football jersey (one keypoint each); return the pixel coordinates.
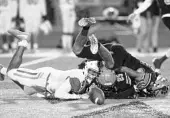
(123, 82)
(120, 55)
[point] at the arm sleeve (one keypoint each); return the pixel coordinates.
(146, 4)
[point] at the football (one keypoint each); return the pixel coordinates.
(96, 96)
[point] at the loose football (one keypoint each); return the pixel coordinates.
(96, 95)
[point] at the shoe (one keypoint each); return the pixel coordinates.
(87, 22)
(93, 44)
(1, 75)
(19, 34)
(157, 63)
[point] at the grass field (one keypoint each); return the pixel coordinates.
(15, 104)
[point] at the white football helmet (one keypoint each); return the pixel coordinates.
(91, 70)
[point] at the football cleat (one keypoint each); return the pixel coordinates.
(19, 34)
(93, 44)
(87, 22)
(157, 63)
(1, 75)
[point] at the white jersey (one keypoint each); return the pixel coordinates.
(54, 81)
(32, 11)
(8, 10)
(58, 82)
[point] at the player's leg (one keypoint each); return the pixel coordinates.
(141, 35)
(67, 37)
(104, 53)
(157, 62)
(81, 38)
(17, 58)
(22, 44)
(28, 77)
(65, 23)
(35, 41)
(154, 38)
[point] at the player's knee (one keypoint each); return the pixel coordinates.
(10, 73)
(76, 50)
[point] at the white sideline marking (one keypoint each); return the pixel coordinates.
(38, 61)
(48, 58)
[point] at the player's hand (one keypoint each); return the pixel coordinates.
(84, 96)
(131, 17)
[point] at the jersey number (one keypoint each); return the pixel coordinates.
(167, 2)
(120, 78)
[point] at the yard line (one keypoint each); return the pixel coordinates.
(38, 61)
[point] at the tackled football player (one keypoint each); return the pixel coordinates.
(46, 81)
(121, 57)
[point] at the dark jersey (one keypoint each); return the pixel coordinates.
(123, 82)
(123, 87)
(120, 55)
(164, 6)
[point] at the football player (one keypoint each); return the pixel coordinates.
(120, 56)
(68, 17)
(47, 81)
(32, 11)
(164, 6)
(8, 10)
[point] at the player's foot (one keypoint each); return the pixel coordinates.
(87, 22)
(157, 63)
(93, 44)
(1, 75)
(19, 34)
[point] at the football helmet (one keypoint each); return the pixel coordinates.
(91, 70)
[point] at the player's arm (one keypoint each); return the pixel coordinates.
(130, 72)
(146, 4)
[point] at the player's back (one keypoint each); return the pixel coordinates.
(124, 58)
(59, 77)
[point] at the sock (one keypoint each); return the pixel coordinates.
(23, 43)
(3, 71)
(163, 58)
(157, 70)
